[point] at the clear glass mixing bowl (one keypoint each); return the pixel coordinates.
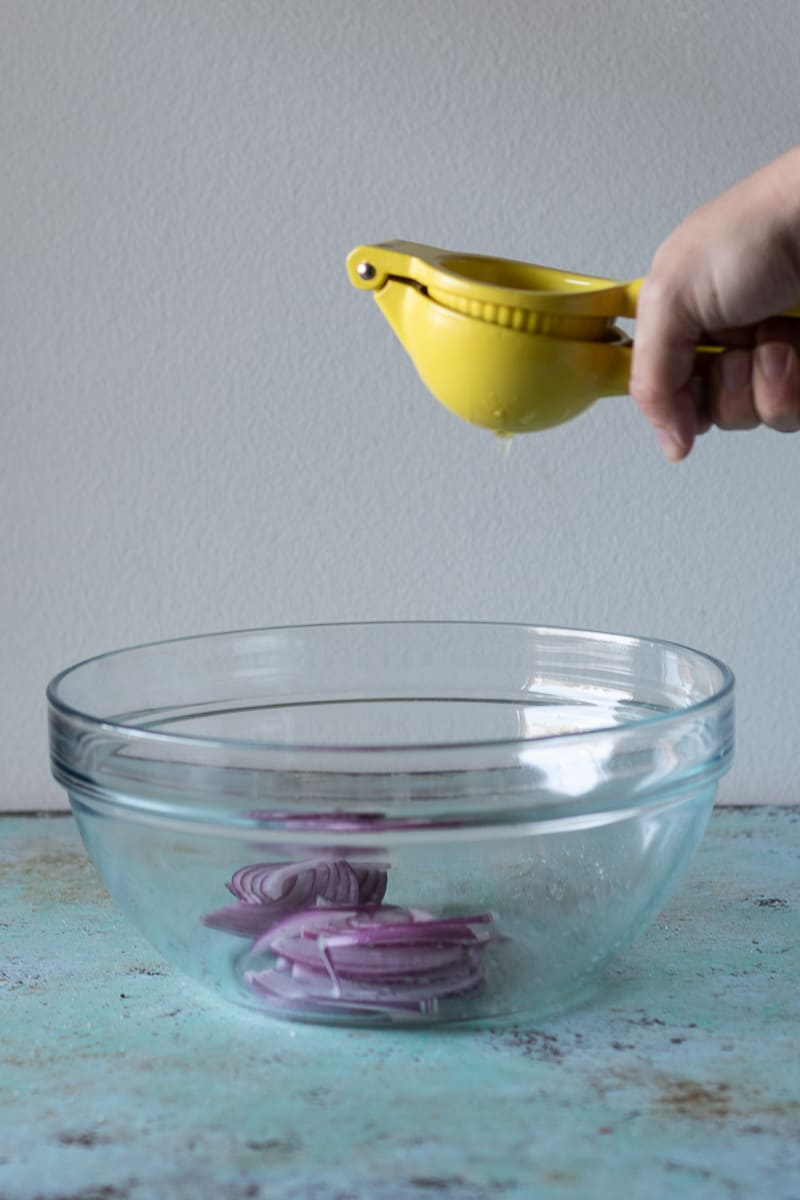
(389, 823)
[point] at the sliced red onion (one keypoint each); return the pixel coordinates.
(249, 883)
(377, 926)
(379, 962)
(270, 883)
(372, 883)
(336, 948)
(266, 892)
(421, 992)
(309, 922)
(377, 959)
(419, 929)
(340, 821)
(284, 992)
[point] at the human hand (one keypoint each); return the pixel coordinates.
(722, 276)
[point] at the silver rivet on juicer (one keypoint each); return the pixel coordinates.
(365, 270)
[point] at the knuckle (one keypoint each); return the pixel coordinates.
(780, 413)
(652, 289)
(647, 392)
(652, 400)
(777, 389)
(732, 397)
(730, 419)
(658, 292)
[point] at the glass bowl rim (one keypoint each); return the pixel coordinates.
(144, 734)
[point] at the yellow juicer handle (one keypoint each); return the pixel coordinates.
(518, 295)
(525, 297)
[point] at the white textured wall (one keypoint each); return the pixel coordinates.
(205, 427)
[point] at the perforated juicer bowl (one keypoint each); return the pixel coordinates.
(393, 823)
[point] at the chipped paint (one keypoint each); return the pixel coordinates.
(122, 1081)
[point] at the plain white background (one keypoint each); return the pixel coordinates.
(205, 427)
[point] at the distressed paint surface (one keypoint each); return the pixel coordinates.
(121, 1081)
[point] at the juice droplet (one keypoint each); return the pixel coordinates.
(504, 441)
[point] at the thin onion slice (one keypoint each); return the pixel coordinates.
(315, 989)
(267, 892)
(342, 821)
(286, 994)
(376, 958)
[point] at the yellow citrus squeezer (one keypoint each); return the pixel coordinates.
(507, 345)
(510, 346)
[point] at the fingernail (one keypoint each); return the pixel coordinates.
(671, 446)
(773, 359)
(735, 367)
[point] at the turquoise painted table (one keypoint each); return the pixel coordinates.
(121, 1081)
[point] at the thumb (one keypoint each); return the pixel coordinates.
(663, 366)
